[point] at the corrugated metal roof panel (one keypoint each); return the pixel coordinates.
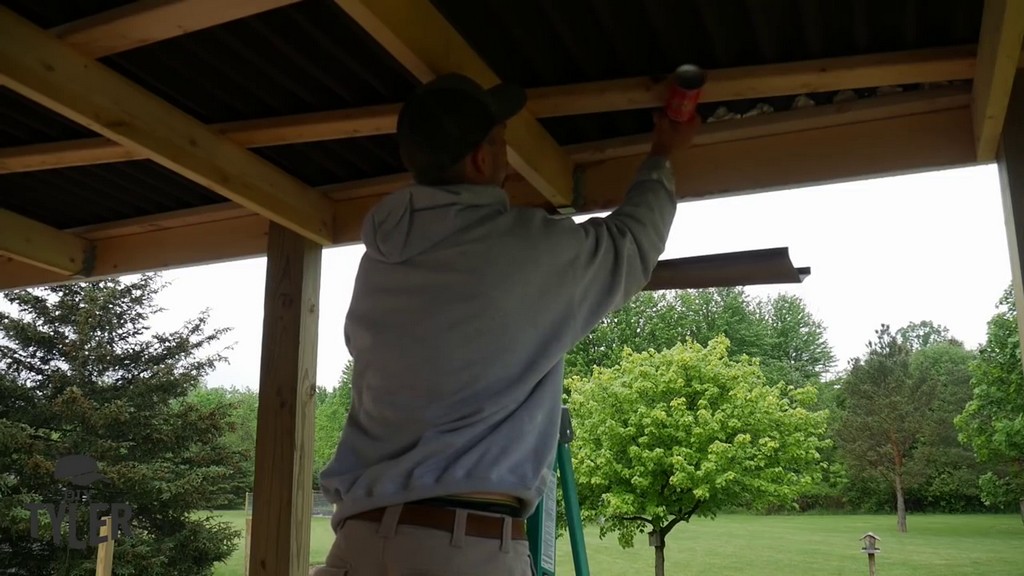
(23, 121)
(304, 57)
(51, 13)
(334, 161)
(541, 43)
(85, 195)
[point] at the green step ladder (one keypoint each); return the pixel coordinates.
(540, 526)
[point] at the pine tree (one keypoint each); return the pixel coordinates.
(83, 373)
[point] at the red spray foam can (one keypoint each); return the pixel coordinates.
(685, 85)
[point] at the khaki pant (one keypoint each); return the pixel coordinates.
(364, 548)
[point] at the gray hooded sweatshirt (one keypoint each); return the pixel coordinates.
(462, 311)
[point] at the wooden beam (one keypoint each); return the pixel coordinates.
(1010, 161)
(787, 121)
(282, 500)
(39, 67)
(43, 246)
(149, 21)
(753, 82)
(999, 46)
(927, 141)
(869, 149)
(419, 37)
(345, 124)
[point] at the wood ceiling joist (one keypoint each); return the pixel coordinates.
(753, 82)
(43, 246)
(760, 81)
(925, 141)
(999, 47)
(149, 21)
(40, 67)
(419, 37)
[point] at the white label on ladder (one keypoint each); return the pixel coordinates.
(547, 556)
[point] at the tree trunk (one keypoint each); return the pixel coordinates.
(901, 506)
(1022, 509)
(659, 560)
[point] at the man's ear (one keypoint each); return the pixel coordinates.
(479, 161)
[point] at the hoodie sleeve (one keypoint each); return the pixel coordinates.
(614, 256)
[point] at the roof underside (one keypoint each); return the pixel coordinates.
(312, 57)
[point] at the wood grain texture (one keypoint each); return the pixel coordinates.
(419, 37)
(867, 149)
(282, 500)
(43, 69)
(1010, 162)
(999, 45)
(926, 141)
(43, 246)
(149, 21)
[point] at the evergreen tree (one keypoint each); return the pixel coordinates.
(83, 373)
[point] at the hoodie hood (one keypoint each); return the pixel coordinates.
(415, 218)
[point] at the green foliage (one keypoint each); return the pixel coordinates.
(780, 332)
(81, 372)
(332, 408)
(241, 407)
(667, 435)
(992, 423)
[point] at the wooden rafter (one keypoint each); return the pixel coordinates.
(999, 46)
(43, 246)
(751, 82)
(419, 37)
(816, 76)
(36, 65)
(148, 21)
(924, 141)
(848, 152)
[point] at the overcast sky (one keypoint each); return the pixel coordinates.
(895, 250)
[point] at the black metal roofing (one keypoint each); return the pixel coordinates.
(310, 56)
(53, 13)
(85, 195)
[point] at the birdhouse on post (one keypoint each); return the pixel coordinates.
(870, 548)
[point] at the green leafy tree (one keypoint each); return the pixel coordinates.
(992, 423)
(332, 408)
(665, 436)
(886, 413)
(81, 372)
(797, 351)
(920, 335)
(780, 332)
(948, 469)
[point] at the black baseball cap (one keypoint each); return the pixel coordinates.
(449, 116)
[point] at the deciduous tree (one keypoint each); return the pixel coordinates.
(992, 423)
(666, 436)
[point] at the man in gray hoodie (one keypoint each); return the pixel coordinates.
(462, 312)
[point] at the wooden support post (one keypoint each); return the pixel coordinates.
(282, 494)
(105, 551)
(1010, 160)
(248, 542)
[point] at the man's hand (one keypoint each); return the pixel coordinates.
(670, 136)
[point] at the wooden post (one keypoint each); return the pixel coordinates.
(284, 431)
(105, 551)
(248, 542)
(870, 548)
(1010, 160)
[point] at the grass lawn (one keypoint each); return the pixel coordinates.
(936, 545)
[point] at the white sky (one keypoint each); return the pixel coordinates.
(896, 250)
